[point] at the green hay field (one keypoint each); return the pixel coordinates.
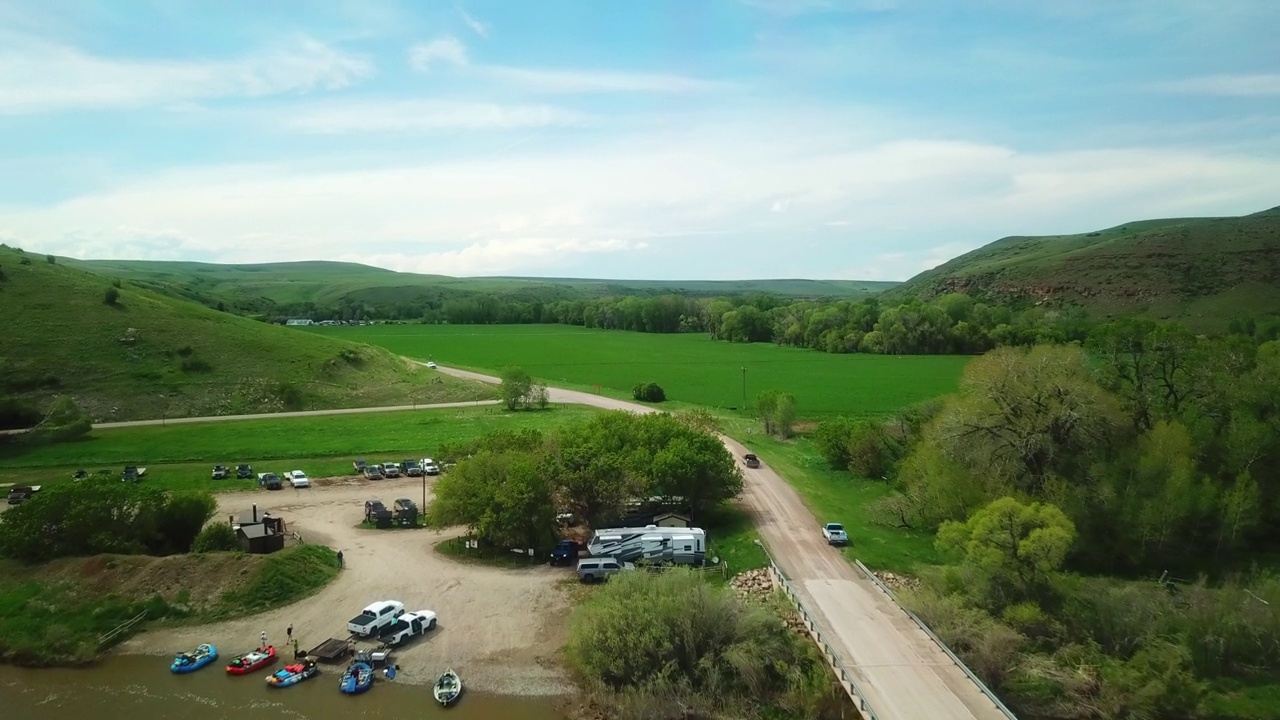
(690, 367)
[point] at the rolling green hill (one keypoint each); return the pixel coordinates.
(150, 355)
(258, 289)
(1202, 271)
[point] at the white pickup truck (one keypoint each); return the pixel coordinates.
(408, 625)
(298, 479)
(835, 534)
(372, 619)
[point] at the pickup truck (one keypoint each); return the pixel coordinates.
(270, 481)
(835, 534)
(132, 473)
(244, 471)
(19, 493)
(750, 460)
(375, 617)
(419, 622)
(411, 468)
(429, 467)
(391, 470)
(298, 479)
(565, 553)
(220, 472)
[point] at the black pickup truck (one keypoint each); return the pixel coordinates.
(19, 493)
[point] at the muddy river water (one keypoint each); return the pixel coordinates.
(142, 688)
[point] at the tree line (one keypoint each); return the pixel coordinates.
(1145, 453)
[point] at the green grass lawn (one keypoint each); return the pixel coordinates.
(690, 367)
(181, 456)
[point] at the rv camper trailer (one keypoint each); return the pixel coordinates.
(680, 545)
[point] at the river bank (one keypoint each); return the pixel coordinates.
(502, 629)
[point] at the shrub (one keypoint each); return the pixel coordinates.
(25, 261)
(217, 537)
(649, 392)
(196, 365)
(115, 283)
(657, 646)
(111, 296)
(51, 259)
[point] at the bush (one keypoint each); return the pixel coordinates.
(666, 645)
(218, 537)
(51, 259)
(649, 392)
(111, 296)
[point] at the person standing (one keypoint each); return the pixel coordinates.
(289, 631)
(339, 559)
(263, 636)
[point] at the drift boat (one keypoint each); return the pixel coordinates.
(357, 678)
(447, 688)
(293, 674)
(191, 662)
(252, 661)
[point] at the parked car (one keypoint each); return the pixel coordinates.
(80, 474)
(244, 471)
(375, 617)
(411, 468)
(221, 472)
(391, 469)
(20, 493)
(270, 481)
(132, 473)
(431, 365)
(298, 479)
(751, 460)
(429, 466)
(373, 472)
(359, 464)
(600, 568)
(406, 626)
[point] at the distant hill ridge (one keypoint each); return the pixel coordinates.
(1199, 270)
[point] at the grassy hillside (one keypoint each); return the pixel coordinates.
(1202, 271)
(254, 288)
(150, 356)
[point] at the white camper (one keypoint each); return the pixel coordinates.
(683, 546)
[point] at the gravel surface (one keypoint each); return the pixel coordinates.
(500, 628)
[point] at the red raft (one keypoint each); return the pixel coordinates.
(252, 661)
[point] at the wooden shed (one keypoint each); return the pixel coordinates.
(671, 519)
(259, 538)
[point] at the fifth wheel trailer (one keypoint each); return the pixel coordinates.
(684, 546)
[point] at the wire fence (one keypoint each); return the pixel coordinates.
(121, 629)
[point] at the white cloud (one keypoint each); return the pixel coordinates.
(37, 76)
(400, 116)
(706, 190)
(588, 81)
(496, 257)
(1245, 85)
(447, 50)
(477, 27)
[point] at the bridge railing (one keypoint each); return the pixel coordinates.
(937, 640)
(847, 680)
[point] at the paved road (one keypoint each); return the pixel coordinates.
(904, 674)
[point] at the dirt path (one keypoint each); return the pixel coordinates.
(904, 674)
(498, 628)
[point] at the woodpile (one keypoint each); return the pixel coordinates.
(898, 582)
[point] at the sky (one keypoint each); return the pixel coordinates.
(725, 139)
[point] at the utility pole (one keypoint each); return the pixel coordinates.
(744, 388)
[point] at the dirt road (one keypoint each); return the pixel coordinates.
(904, 674)
(498, 628)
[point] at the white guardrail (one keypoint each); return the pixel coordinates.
(846, 678)
(937, 640)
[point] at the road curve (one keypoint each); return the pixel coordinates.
(900, 669)
(902, 672)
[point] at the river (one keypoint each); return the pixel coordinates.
(142, 688)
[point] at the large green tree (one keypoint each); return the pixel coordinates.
(505, 499)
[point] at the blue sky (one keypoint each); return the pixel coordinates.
(859, 139)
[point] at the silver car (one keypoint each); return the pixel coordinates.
(599, 569)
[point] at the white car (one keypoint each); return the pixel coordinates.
(298, 479)
(431, 365)
(429, 466)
